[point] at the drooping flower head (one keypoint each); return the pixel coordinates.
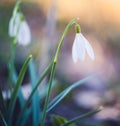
(18, 27)
(81, 46)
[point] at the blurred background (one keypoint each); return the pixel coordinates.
(100, 24)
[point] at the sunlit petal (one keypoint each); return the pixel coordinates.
(14, 25)
(78, 50)
(74, 52)
(80, 47)
(89, 48)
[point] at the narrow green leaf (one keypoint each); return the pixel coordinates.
(26, 117)
(20, 95)
(92, 112)
(11, 63)
(12, 72)
(57, 120)
(59, 97)
(2, 117)
(45, 73)
(44, 92)
(16, 88)
(48, 94)
(35, 99)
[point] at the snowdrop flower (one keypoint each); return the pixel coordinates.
(19, 28)
(81, 46)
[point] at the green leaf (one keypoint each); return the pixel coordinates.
(59, 120)
(20, 95)
(11, 63)
(59, 97)
(16, 88)
(90, 113)
(44, 92)
(48, 94)
(47, 70)
(26, 117)
(35, 99)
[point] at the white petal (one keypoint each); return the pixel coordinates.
(80, 46)
(24, 34)
(89, 48)
(14, 25)
(74, 52)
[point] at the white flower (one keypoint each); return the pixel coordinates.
(19, 28)
(80, 47)
(14, 25)
(24, 34)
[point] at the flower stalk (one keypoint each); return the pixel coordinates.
(54, 67)
(73, 21)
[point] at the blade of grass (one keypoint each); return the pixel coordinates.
(92, 112)
(48, 94)
(11, 63)
(2, 117)
(44, 92)
(26, 117)
(54, 67)
(35, 99)
(16, 89)
(45, 73)
(59, 97)
(20, 95)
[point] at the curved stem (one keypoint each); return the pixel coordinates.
(63, 36)
(53, 69)
(12, 57)
(48, 94)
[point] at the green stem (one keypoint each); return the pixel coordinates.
(11, 61)
(48, 94)
(82, 116)
(13, 47)
(16, 8)
(53, 69)
(63, 36)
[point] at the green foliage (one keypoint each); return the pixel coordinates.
(30, 108)
(59, 120)
(16, 89)
(36, 112)
(64, 93)
(92, 112)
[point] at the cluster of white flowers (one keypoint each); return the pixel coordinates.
(19, 28)
(80, 47)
